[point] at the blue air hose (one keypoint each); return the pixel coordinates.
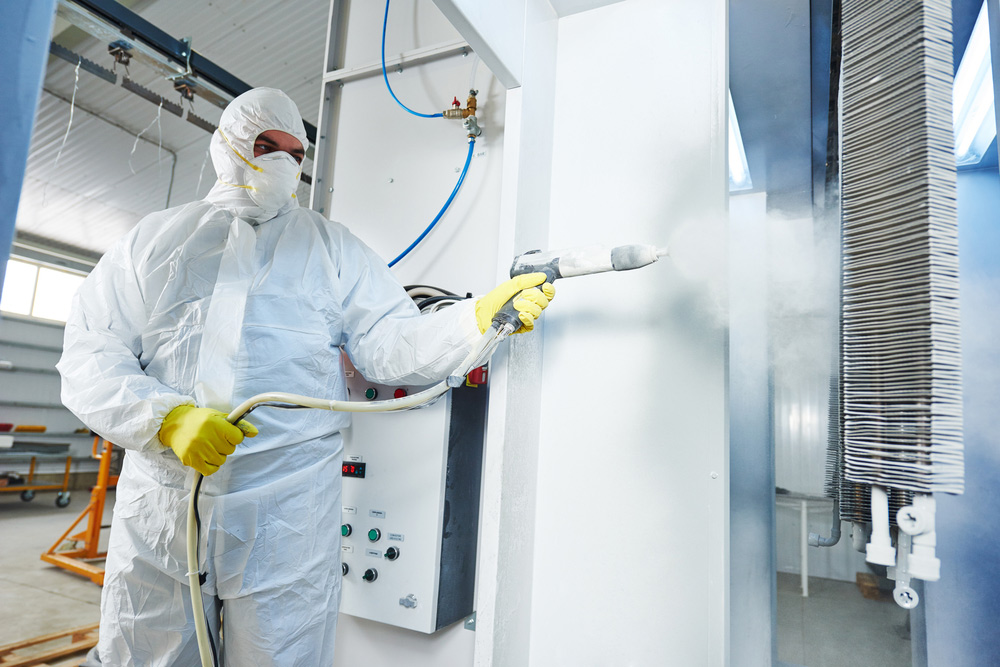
(468, 159)
(385, 22)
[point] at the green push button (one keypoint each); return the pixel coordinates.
(345, 530)
(374, 534)
(371, 393)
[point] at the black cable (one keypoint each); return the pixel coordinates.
(202, 575)
(438, 289)
(431, 300)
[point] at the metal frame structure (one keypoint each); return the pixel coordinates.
(173, 58)
(334, 78)
(80, 560)
(27, 490)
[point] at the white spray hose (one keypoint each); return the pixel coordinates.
(194, 582)
(479, 355)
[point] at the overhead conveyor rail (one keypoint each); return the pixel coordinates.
(172, 57)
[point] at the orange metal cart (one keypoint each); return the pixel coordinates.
(82, 560)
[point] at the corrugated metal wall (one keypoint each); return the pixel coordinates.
(803, 326)
(29, 395)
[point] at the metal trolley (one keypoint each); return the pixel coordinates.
(29, 487)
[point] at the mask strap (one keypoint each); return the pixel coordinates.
(234, 185)
(238, 154)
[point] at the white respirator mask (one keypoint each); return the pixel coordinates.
(272, 179)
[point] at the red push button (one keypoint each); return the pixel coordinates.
(477, 376)
(399, 393)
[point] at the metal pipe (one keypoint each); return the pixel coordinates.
(32, 405)
(9, 367)
(816, 540)
(804, 548)
(30, 346)
(170, 188)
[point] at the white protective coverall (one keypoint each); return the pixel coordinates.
(210, 303)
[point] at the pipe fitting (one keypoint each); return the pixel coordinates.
(458, 113)
(817, 540)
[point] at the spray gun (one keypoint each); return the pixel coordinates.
(576, 262)
(555, 264)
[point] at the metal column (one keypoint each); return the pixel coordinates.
(24, 49)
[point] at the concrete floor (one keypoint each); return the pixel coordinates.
(836, 627)
(38, 598)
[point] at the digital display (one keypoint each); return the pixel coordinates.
(353, 469)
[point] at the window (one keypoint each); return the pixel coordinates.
(39, 291)
(975, 117)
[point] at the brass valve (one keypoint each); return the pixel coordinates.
(468, 114)
(457, 112)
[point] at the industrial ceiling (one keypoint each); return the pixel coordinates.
(83, 194)
(86, 187)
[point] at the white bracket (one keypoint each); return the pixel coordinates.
(915, 544)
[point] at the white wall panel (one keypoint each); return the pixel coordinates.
(495, 30)
(803, 318)
(394, 171)
(391, 174)
(803, 312)
(631, 534)
(801, 400)
(412, 24)
(751, 450)
(507, 529)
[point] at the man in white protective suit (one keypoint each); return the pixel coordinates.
(198, 308)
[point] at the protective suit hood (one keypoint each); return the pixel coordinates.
(239, 173)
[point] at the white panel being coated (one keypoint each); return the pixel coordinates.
(631, 534)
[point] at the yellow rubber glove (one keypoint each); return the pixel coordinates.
(201, 437)
(529, 304)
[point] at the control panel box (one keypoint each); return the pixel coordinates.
(411, 485)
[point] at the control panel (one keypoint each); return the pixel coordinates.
(411, 484)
